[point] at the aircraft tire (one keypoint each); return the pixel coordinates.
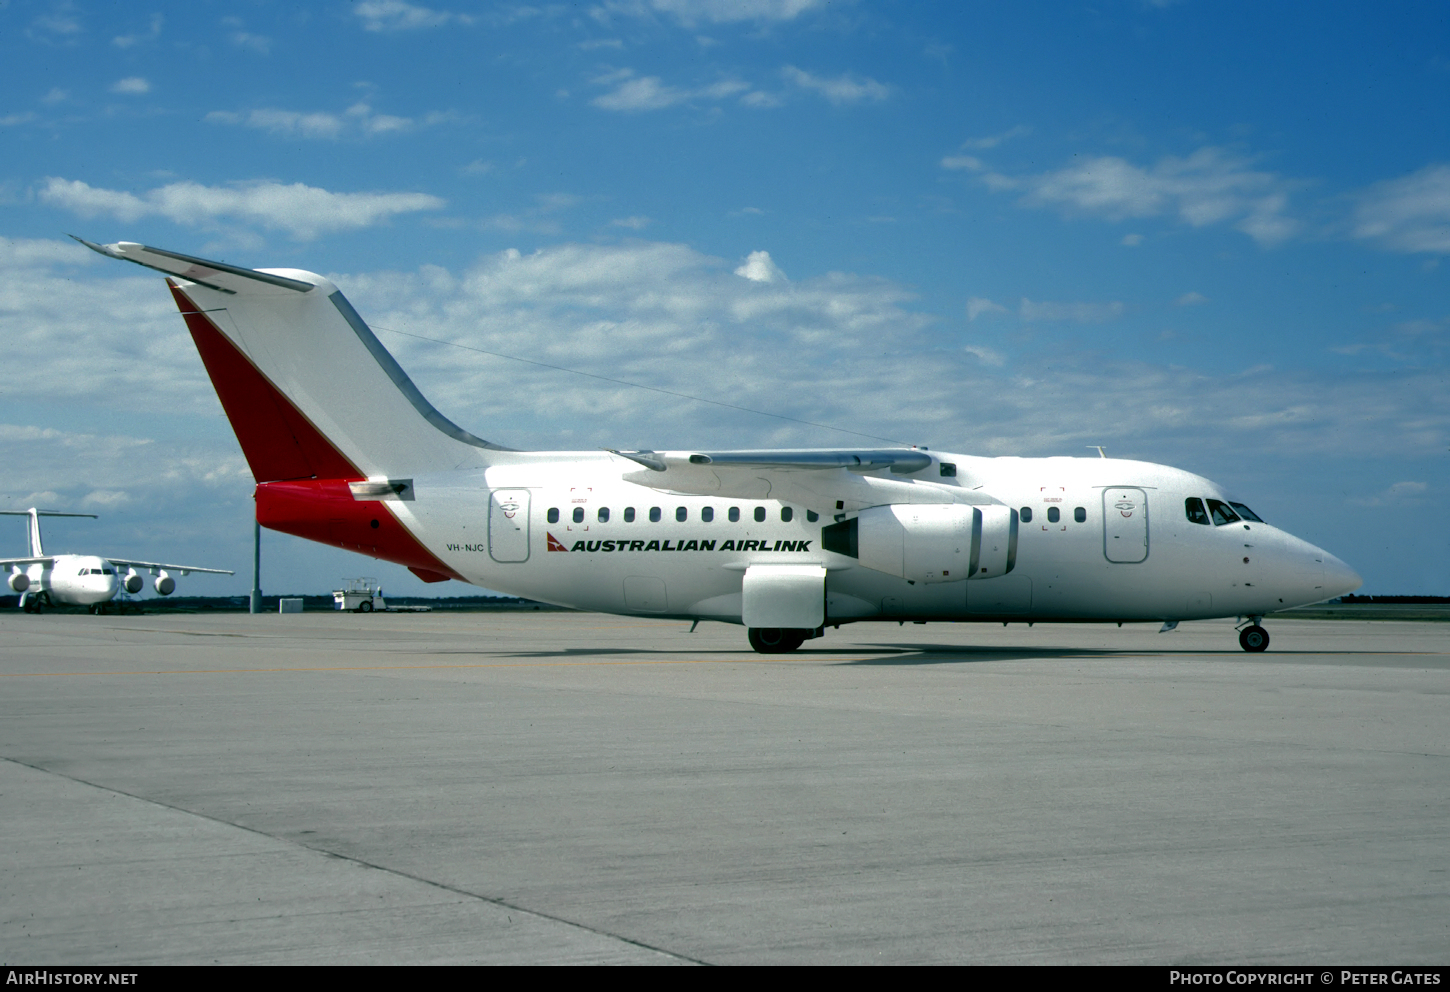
(775, 640)
(365, 606)
(1254, 639)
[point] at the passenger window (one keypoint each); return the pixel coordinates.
(707, 514)
(604, 514)
(734, 514)
(681, 514)
(1080, 514)
(1193, 507)
(654, 514)
(786, 513)
(760, 514)
(553, 514)
(948, 470)
(1026, 514)
(578, 514)
(1246, 513)
(1053, 514)
(1221, 513)
(812, 516)
(629, 514)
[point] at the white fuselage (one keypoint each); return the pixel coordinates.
(77, 580)
(1146, 562)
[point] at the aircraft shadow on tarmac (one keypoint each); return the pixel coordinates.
(966, 654)
(880, 654)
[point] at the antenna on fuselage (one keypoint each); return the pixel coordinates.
(1100, 451)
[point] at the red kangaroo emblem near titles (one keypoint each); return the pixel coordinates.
(553, 543)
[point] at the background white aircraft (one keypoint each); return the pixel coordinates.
(81, 580)
(346, 451)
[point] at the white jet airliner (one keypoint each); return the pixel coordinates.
(81, 580)
(346, 451)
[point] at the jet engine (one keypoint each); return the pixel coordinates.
(164, 583)
(19, 581)
(133, 581)
(929, 542)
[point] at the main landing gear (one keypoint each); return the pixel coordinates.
(1253, 638)
(778, 640)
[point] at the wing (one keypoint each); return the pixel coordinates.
(183, 569)
(827, 480)
(42, 560)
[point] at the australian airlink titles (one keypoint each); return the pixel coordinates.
(797, 546)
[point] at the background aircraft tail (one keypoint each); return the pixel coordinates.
(36, 550)
(309, 389)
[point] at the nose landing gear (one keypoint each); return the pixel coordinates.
(1253, 638)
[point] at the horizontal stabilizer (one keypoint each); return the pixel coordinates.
(214, 275)
(309, 389)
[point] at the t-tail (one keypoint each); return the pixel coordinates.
(330, 424)
(36, 549)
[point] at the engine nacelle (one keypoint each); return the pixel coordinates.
(19, 581)
(133, 581)
(164, 583)
(929, 542)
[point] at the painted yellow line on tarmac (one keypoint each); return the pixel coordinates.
(423, 668)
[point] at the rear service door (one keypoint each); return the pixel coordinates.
(1125, 524)
(508, 525)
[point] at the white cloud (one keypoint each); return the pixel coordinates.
(1409, 214)
(59, 25)
(1081, 313)
(131, 86)
(968, 162)
(258, 43)
(840, 90)
(632, 93)
(303, 211)
(993, 140)
(395, 15)
(691, 12)
(977, 305)
(759, 268)
(129, 40)
(11, 120)
(633, 223)
(1207, 187)
(359, 120)
(1398, 494)
(1191, 299)
(1131, 240)
(985, 355)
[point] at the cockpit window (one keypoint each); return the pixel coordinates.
(1193, 507)
(1222, 513)
(1246, 513)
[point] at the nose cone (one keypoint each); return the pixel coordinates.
(1339, 578)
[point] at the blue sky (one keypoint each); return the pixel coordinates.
(1210, 235)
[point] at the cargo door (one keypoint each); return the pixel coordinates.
(508, 525)
(1125, 524)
